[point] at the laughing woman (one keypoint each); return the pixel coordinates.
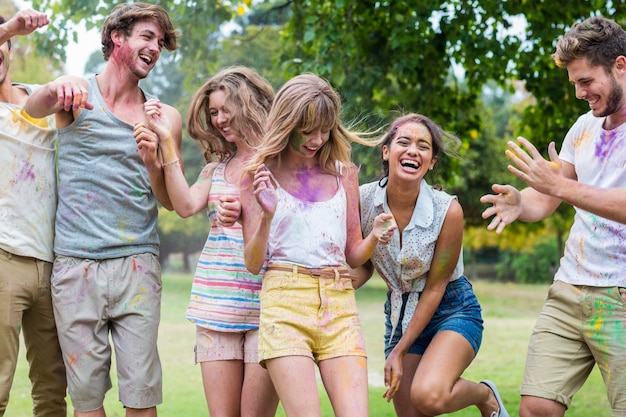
(433, 320)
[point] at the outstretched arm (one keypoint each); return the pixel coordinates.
(531, 204)
(64, 97)
(24, 22)
(557, 179)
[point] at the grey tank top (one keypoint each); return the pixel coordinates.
(106, 208)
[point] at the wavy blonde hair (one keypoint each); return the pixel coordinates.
(248, 100)
(305, 103)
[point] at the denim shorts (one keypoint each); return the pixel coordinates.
(458, 311)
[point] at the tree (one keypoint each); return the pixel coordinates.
(28, 65)
(386, 57)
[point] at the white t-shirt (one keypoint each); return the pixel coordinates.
(27, 182)
(595, 251)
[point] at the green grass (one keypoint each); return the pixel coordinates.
(509, 311)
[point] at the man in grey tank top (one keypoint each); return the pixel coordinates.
(106, 278)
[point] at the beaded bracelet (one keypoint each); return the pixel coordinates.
(175, 161)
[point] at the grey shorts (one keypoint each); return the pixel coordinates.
(120, 298)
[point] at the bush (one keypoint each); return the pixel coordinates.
(534, 267)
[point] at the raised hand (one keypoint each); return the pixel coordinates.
(147, 143)
(506, 206)
(26, 22)
(384, 226)
(531, 167)
(264, 190)
(156, 120)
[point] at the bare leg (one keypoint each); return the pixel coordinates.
(345, 380)
(141, 412)
(294, 379)
(258, 397)
(402, 400)
(437, 386)
(540, 407)
(223, 381)
(96, 413)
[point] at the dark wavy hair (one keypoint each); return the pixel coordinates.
(443, 142)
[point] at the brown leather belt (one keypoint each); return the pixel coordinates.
(328, 272)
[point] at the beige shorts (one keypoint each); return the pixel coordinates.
(212, 345)
(120, 298)
(307, 315)
(578, 327)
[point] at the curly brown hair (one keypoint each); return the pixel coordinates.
(125, 15)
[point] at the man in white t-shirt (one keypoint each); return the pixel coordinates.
(27, 207)
(583, 321)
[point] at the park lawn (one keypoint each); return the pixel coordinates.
(509, 312)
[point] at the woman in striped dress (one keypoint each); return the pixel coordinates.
(226, 117)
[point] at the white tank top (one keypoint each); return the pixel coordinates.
(308, 234)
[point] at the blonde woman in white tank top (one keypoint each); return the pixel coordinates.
(300, 208)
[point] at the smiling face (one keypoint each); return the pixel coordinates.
(594, 85)
(307, 144)
(220, 116)
(140, 50)
(410, 152)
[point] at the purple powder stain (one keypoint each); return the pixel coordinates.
(308, 193)
(25, 173)
(606, 143)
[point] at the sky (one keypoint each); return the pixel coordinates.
(77, 53)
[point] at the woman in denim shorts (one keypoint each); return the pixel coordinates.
(433, 319)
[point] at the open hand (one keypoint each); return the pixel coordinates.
(384, 226)
(531, 167)
(506, 206)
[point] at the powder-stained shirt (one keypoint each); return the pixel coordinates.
(405, 265)
(224, 295)
(27, 182)
(309, 234)
(106, 206)
(595, 251)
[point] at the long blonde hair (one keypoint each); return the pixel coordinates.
(305, 103)
(248, 100)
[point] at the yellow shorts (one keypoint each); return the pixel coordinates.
(306, 314)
